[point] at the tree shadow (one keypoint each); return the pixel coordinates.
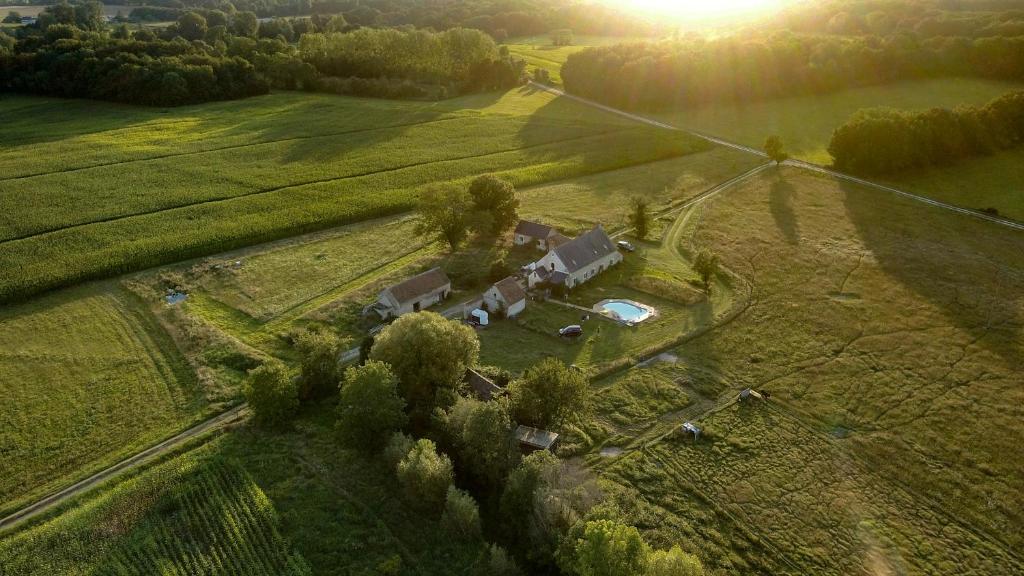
(971, 269)
(780, 202)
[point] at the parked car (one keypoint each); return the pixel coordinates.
(624, 245)
(573, 331)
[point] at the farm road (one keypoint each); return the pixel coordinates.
(138, 459)
(797, 163)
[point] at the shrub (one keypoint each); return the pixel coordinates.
(461, 517)
(319, 353)
(425, 475)
(272, 394)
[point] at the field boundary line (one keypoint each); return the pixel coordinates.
(262, 191)
(794, 163)
(48, 502)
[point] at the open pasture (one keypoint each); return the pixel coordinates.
(237, 181)
(806, 123)
(891, 337)
(540, 52)
(87, 378)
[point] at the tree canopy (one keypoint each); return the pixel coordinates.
(549, 394)
(369, 407)
(272, 394)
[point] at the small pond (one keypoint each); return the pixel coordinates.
(625, 310)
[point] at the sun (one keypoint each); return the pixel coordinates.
(702, 8)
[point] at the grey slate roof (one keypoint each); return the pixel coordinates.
(510, 290)
(534, 229)
(420, 285)
(585, 249)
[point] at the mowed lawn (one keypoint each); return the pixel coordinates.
(891, 337)
(125, 188)
(87, 378)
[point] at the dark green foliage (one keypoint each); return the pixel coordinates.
(562, 37)
(549, 394)
(425, 476)
(884, 140)
(428, 353)
(369, 407)
(496, 198)
(604, 548)
(498, 563)
(706, 266)
(12, 18)
(748, 67)
(272, 394)
(639, 217)
(444, 212)
(461, 516)
(319, 352)
(775, 150)
(364, 349)
(482, 434)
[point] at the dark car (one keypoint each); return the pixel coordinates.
(573, 331)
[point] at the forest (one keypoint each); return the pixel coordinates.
(885, 140)
(211, 55)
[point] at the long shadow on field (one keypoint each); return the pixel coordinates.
(971, 269)
(781, 203)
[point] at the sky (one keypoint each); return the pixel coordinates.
(702, 9)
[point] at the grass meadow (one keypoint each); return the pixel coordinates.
(539, 52)
(88, 377)
(250, 171)
(891, 338)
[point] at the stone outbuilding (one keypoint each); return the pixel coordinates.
(417, 293)
(506, 296)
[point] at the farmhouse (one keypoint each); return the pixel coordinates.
(577, 261)
(506, 296)
(528, 232)
(415, 294)
(532, 439)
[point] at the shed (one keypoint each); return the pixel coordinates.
(531, 438)
(415, 294)
(749, 393)
(528, 232)
(692, 428)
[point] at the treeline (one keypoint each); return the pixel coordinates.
(500, 18)
(885, 140)
(920, 18)
(698, 71)
(212, 55)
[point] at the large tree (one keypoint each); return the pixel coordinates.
(191, 26)
(319, 354)
(549, 394)
(482, 432)
(425, 475)
(272, 394)
(461, 516)
(444, 212)
(706, 266)
(428, 353)
(775, 150)
(640, 217)
(369, 407)
(495, 204)
(674, 562)
(604, 548)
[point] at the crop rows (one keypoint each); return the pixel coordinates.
(186, 518)
(106, 248)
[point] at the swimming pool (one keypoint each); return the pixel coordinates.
(625, 310)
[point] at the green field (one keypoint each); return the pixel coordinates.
(891, 336)
(118, 184)
(193, 515)
(539, 52)
(247, 502)
(88, 378)
(806, 123)
(995, 181)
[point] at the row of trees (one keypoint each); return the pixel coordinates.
(698, 71)
(489, 206)
(885, 140)
(922, 18)
(214, 55)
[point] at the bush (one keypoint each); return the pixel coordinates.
(369, 407)
(272, 394)
(461, 517)
(424, 476)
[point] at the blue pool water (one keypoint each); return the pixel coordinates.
(626, 311)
